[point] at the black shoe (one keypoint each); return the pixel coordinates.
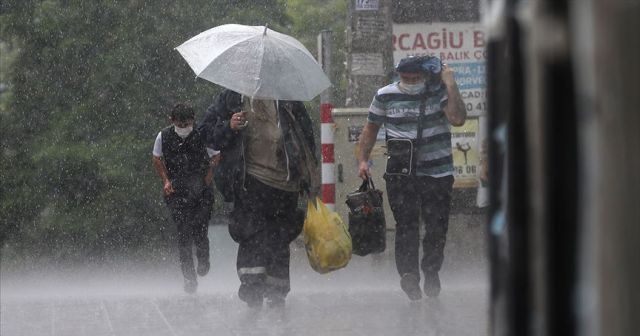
(203, 268)
(190, 286)
(410, 284)
(431, 284)
(252, 297)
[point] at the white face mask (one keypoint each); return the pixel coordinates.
(183, 132)
(412, 88)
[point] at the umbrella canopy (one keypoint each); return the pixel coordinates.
(255, 61)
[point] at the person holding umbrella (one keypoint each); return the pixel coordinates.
(268, 159)
(268, 151)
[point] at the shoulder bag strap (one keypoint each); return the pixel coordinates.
(423, 107)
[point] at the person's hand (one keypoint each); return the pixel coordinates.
(168, 188)
(214, 160)
(312, 194)
(448, 75)
(238, 121)
(363, 170)
(208, 178)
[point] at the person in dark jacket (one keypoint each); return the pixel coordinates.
(267, 159)
(185, 166)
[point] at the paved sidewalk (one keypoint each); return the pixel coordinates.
(363, 299)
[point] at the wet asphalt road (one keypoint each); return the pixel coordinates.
(363, 299)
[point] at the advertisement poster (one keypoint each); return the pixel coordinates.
(464, 142)
(459, 45)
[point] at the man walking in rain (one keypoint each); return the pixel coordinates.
(184, 164)
(268, 158)
(417, 112)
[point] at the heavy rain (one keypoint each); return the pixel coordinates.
(317, 167)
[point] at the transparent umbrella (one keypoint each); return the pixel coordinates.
(255, 61)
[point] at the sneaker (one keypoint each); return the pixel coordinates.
(431, 284)
(190, 286)
(410, 284)
(203, 268)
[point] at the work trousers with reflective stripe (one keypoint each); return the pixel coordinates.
(412, 198)
(191, 217)
(264, 222)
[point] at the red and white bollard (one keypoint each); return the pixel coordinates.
(328, 160)
(326, 125)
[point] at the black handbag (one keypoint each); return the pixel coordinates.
(400, 160)
(367, 225)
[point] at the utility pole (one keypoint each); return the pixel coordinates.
(369, 49)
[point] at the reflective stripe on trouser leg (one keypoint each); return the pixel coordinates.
(251, 270)
(276, 287)
(251, 282)
(282, 231)
(251, 264)
(274, 221)
(280, 283)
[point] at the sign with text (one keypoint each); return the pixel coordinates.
(367, 64)
(367, 4)
(459, 45)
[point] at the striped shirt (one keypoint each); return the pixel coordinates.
(399, 113)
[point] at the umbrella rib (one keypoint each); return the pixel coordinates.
(226, 48)
(217, 63)
(261, 62)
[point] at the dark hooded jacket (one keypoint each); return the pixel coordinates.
(229, 174)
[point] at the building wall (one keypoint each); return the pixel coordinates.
(409, 11)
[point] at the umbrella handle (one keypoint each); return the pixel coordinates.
(240, 106)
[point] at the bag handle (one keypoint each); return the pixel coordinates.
(366, 185)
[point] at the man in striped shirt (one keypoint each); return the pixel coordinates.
(417, 112)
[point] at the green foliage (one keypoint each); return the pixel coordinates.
(308, 19)
(89, 86)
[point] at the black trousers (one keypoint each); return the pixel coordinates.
(191, 216)
(265, 220)
(410, 196)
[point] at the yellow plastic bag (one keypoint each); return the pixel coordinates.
(326, 238)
